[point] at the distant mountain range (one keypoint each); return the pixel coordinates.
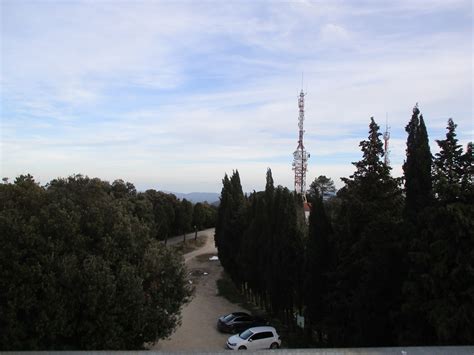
(196, 197)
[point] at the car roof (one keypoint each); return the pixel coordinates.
(265, 328)
(239, 314)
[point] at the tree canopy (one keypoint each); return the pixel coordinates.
(81, 267)
(389, 265)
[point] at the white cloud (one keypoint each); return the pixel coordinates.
(331, 32)
(179, 93)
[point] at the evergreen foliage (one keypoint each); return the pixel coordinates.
(322, 186)
(449, 167)
(417, 167)
(184, 217)
(366, 272)
(381, 268)
(267, 221)
(81, 268)
(230, 224)
(318, 256)
(439, 304)
(467, 182)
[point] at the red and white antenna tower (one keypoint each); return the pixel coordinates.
(300, 156)
(386, 138)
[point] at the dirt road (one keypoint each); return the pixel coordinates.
(199, 317)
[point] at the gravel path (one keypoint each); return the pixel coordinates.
(199, 317)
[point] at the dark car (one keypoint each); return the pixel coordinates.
(238, 322)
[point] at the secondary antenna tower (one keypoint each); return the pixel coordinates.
(386, 138)
(300, 156)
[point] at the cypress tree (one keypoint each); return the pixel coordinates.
(418, 199)
(417, 167)
(317, 260)
(269, 185)
(231, 223)
(221, 211)
(439, 306)
(284, 253)
(252, 252)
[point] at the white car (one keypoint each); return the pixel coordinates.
(254, 339)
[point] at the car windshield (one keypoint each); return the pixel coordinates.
(229, 317)
(246, 334)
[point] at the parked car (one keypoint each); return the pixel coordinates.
(237, 322)
(255, 338)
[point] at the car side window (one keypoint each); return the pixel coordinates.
(258, 336)
(238, 319)
(245, 319)
(265, 335)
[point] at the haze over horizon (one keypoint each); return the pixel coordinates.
(173, 95)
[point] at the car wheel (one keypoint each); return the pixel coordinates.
(274, 346)
(242, 347)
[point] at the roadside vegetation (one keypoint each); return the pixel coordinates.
(385, 262)
(190, 245)
(82, 266)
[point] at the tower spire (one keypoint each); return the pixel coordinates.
(300, 156)
(386, 138)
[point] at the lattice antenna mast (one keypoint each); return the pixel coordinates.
(300, 156)
(386, 138)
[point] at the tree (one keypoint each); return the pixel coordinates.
(230, 225)
(210, 215)
(269, 185)
(284, 253)
(184, 217)
(322, 186)
(79, 269)
(449, 241)
(365, 275)
(199, 215)
(438, 291)
(253, 257)
(222, 214)
(317, 262)
(418, 201)
(417, 167)
(164, 207)
(449, 166)
(123, 189)
(467, 183)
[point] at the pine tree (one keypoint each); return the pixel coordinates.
(450, 239)
(448, 166)
(323, 186)
(366, 277)
(467, 184)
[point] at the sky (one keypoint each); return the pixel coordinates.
(171, 95)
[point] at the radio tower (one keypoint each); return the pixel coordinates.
(386, 138)
(300, 156)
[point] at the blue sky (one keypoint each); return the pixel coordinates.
(173, 94)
